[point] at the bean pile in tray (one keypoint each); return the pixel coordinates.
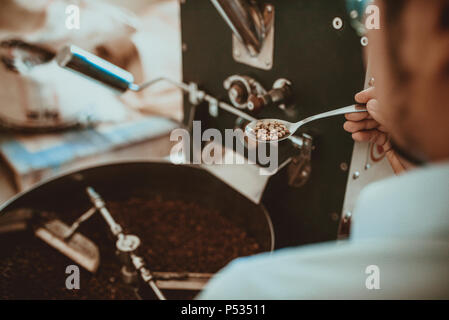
(176, 235)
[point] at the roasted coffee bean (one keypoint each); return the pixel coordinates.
(270, 130)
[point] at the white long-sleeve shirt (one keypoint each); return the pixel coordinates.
(399, 249)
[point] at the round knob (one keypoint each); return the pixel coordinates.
(128, 243)
(237, 93)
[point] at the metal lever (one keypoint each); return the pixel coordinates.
(126, 244)
(246, 22)
(94, 67)
(112, 76)
(116, 229)
(76, 59)
(75, 225)
(146, 275)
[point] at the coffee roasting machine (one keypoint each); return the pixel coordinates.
(243, 60)
(282, 60)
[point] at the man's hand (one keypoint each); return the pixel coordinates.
(370, 126)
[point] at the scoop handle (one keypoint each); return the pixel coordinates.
(94, 67)
(349, 109)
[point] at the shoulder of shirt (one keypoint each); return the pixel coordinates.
(437, 174)
(416, 202)
(322, 271)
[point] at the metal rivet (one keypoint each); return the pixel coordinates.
(269, 8)
(356, 175)
(347, 216)
(344, 166)
(337, 23)
(334, 216)
(354, 14)
(184, 47)
(364, 41)
(367, 166)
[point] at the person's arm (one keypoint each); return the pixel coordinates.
(371, 126)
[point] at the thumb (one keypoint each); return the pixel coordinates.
(374, 110)
(365, 95)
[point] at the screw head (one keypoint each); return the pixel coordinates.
(337, 23)
(347, 216)
(364, 41)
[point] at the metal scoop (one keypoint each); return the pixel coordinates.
(292, 127)
(74, 245)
